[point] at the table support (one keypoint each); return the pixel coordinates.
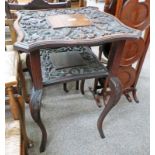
(116, 91)
(36, 95)
(114, 83)
(35, 105)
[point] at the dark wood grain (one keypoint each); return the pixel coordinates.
(105, 28)
(116, 92)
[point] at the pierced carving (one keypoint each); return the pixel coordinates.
(50, 73)
(35, 26)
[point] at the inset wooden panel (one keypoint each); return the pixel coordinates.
(66, 59)
(136, 14)
(70, 20)
(132, 51)
(127, 76)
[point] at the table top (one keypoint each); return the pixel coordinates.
(35, 31)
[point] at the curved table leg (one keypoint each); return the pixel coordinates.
(35, 103)
(116, 92)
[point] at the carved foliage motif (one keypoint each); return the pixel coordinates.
(35, 26)
(49, 72)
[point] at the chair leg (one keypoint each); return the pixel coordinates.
(29, 66)
(82, 3)
(82, 87)
(23, 150)
(65, 87)
(28, 143)
(135, 95)
(77, 85)
(17, 107)
(12, 103)
(100, 53)
(116, 92)
(23, 82)
(95, 85)
(128, 97)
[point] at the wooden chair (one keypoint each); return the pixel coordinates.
(11, 78)
(9, 46)
(136, 15)
(33, 5)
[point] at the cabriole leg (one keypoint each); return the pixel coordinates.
(115, 95)
(35, 104)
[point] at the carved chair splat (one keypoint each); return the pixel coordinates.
(134, 50)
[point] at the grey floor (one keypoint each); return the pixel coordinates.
(70, 120)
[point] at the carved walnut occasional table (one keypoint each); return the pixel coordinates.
(59, 51)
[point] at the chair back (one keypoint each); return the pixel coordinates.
(135, 14)
(34, 5)
(113, 6)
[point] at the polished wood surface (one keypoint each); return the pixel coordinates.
(72, 20)
(139, 15)
(133, 50)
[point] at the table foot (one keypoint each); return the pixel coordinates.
(135, 95)
(35, 104)
(96, 96)
(115, 95)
